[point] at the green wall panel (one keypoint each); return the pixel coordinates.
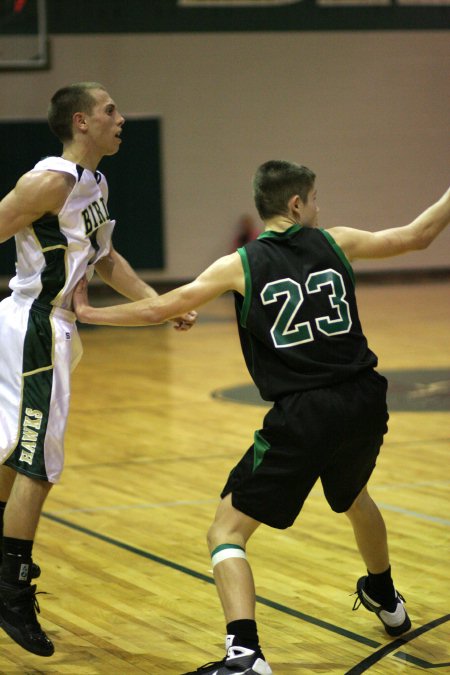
(171, 16)
(134, 179)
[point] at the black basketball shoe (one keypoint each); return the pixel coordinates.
(395, 622)
(35, 570)
(18, 607)
(238, 661)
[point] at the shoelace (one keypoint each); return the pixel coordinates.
(22, 599)
(35, 600)
(358, 602)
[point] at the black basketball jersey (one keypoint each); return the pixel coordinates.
(298, 322)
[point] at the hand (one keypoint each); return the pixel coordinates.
(80, 299)
(185, 322)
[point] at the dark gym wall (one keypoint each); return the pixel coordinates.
(133, 175)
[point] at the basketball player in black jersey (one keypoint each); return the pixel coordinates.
(304, 347)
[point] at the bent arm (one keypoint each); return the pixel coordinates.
(35, 194)
(116, 272)
(223, 275)
(397, 240)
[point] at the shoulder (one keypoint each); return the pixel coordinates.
(226, 265)
(346, 238)
(338, 233)
(226, 273)
(49, 189)
(53, 163)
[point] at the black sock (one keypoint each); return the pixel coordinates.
(245, 632)
(2, 509)
(16, 564)
(380, 587)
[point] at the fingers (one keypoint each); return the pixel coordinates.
(186, 321)
(80, 294)
(81, 286)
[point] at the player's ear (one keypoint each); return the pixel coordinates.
(295, 205)
(79, 121)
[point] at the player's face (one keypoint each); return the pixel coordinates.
(310, 210)
(105, 123)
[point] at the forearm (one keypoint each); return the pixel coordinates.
(223, 275)
(118, 273)
(359, 244)
(431, 222)
(139, 313)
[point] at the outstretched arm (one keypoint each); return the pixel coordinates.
(397, 240)
(115, 271)
(224, 275)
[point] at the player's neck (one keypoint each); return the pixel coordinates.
(279, 224)
(81, 156)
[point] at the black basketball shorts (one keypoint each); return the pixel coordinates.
(334, 434)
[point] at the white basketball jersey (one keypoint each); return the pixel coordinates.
(54, 252)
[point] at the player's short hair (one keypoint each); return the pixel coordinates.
(275, 182)
(65, 103)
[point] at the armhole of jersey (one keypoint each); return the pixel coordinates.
(248, 287)
(339, 252)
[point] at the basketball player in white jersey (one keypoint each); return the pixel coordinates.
(59, 217)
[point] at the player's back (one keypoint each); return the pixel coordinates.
(298, 322)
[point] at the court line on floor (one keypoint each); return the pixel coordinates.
(343, 632)
(416, 484)
(132, 507)
(374, 658)
(413, 514)
(316, 492)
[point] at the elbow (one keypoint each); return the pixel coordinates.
(416, 241)
(422, 242)
(153, 315)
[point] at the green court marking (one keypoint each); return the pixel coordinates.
(409, 391)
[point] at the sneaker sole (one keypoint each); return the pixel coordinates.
(16, 635)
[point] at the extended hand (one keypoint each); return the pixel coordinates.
(186, 321)
(80, 298)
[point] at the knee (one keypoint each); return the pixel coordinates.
(228, 528)
(222, 532)
(211, 537)
(360, 504)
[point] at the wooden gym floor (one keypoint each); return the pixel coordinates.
(122, 538)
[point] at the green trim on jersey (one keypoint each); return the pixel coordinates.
(54, 245)
(38, 344)
(260, 448)
(274, 235)
(340, 253)
(28, 456)
(248, 287)
(269, 234)
(48, 232)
